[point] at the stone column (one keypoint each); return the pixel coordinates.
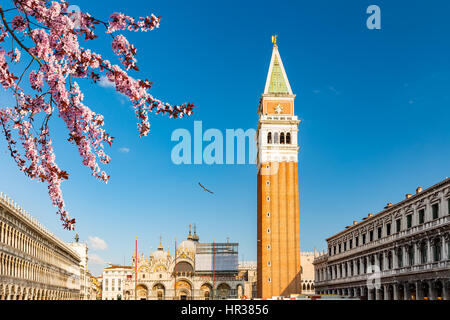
(377, 260)
(361, 266)
(443, 248)
(416, 253)
(431, 290)
(405, 256)
(445, 290)
(429, 252)
(419, 291)
(396, 292)
(394, 259)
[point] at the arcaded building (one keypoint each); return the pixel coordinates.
(278, 234)
(34, 264)
(401, 253)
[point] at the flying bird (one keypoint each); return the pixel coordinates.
(205, 188)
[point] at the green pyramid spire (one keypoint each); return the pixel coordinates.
(277, 81)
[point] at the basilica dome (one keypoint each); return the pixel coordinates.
(159, 254)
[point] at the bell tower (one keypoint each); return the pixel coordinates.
(278, 230)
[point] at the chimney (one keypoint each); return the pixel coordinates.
(408, 195)
(419, 190)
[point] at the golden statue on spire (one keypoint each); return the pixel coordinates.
(274, 39)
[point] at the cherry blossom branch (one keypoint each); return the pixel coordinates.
(56, 47)
(15, 38)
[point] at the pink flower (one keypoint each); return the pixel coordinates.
(19, 23)
(36, 80)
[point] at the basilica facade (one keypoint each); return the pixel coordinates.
(195, 271)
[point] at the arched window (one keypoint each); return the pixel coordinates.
(288, 138)
(423, 253)
(308, 287)
(304, 287)
(437, 250)
(184, 268)
(411, 255)
(275, 138)
(269, 138)
(400, 258)
(282, 138)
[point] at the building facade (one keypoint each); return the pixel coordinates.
(34, 264)
(195, 271)
(307, 271)
(113, 281)
(82, 250)
(247, 272)
(93, 287)
(278, 234)
(401, 253)
(99, 284)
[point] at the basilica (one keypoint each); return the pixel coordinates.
(195, 271)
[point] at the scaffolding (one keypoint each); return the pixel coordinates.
(224, 255)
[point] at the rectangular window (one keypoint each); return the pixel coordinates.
(329, 251)
(421, 216)
(356, 241)
(388, 229)
(345, 246)
(350, 243)
(448, 206)
(371, 235)
(409, 221)
(435, 210)
(364, 239)
(398, 225)
(334, 249)
(340, 248)
(380, 232)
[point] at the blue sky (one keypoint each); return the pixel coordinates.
(374, 106)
